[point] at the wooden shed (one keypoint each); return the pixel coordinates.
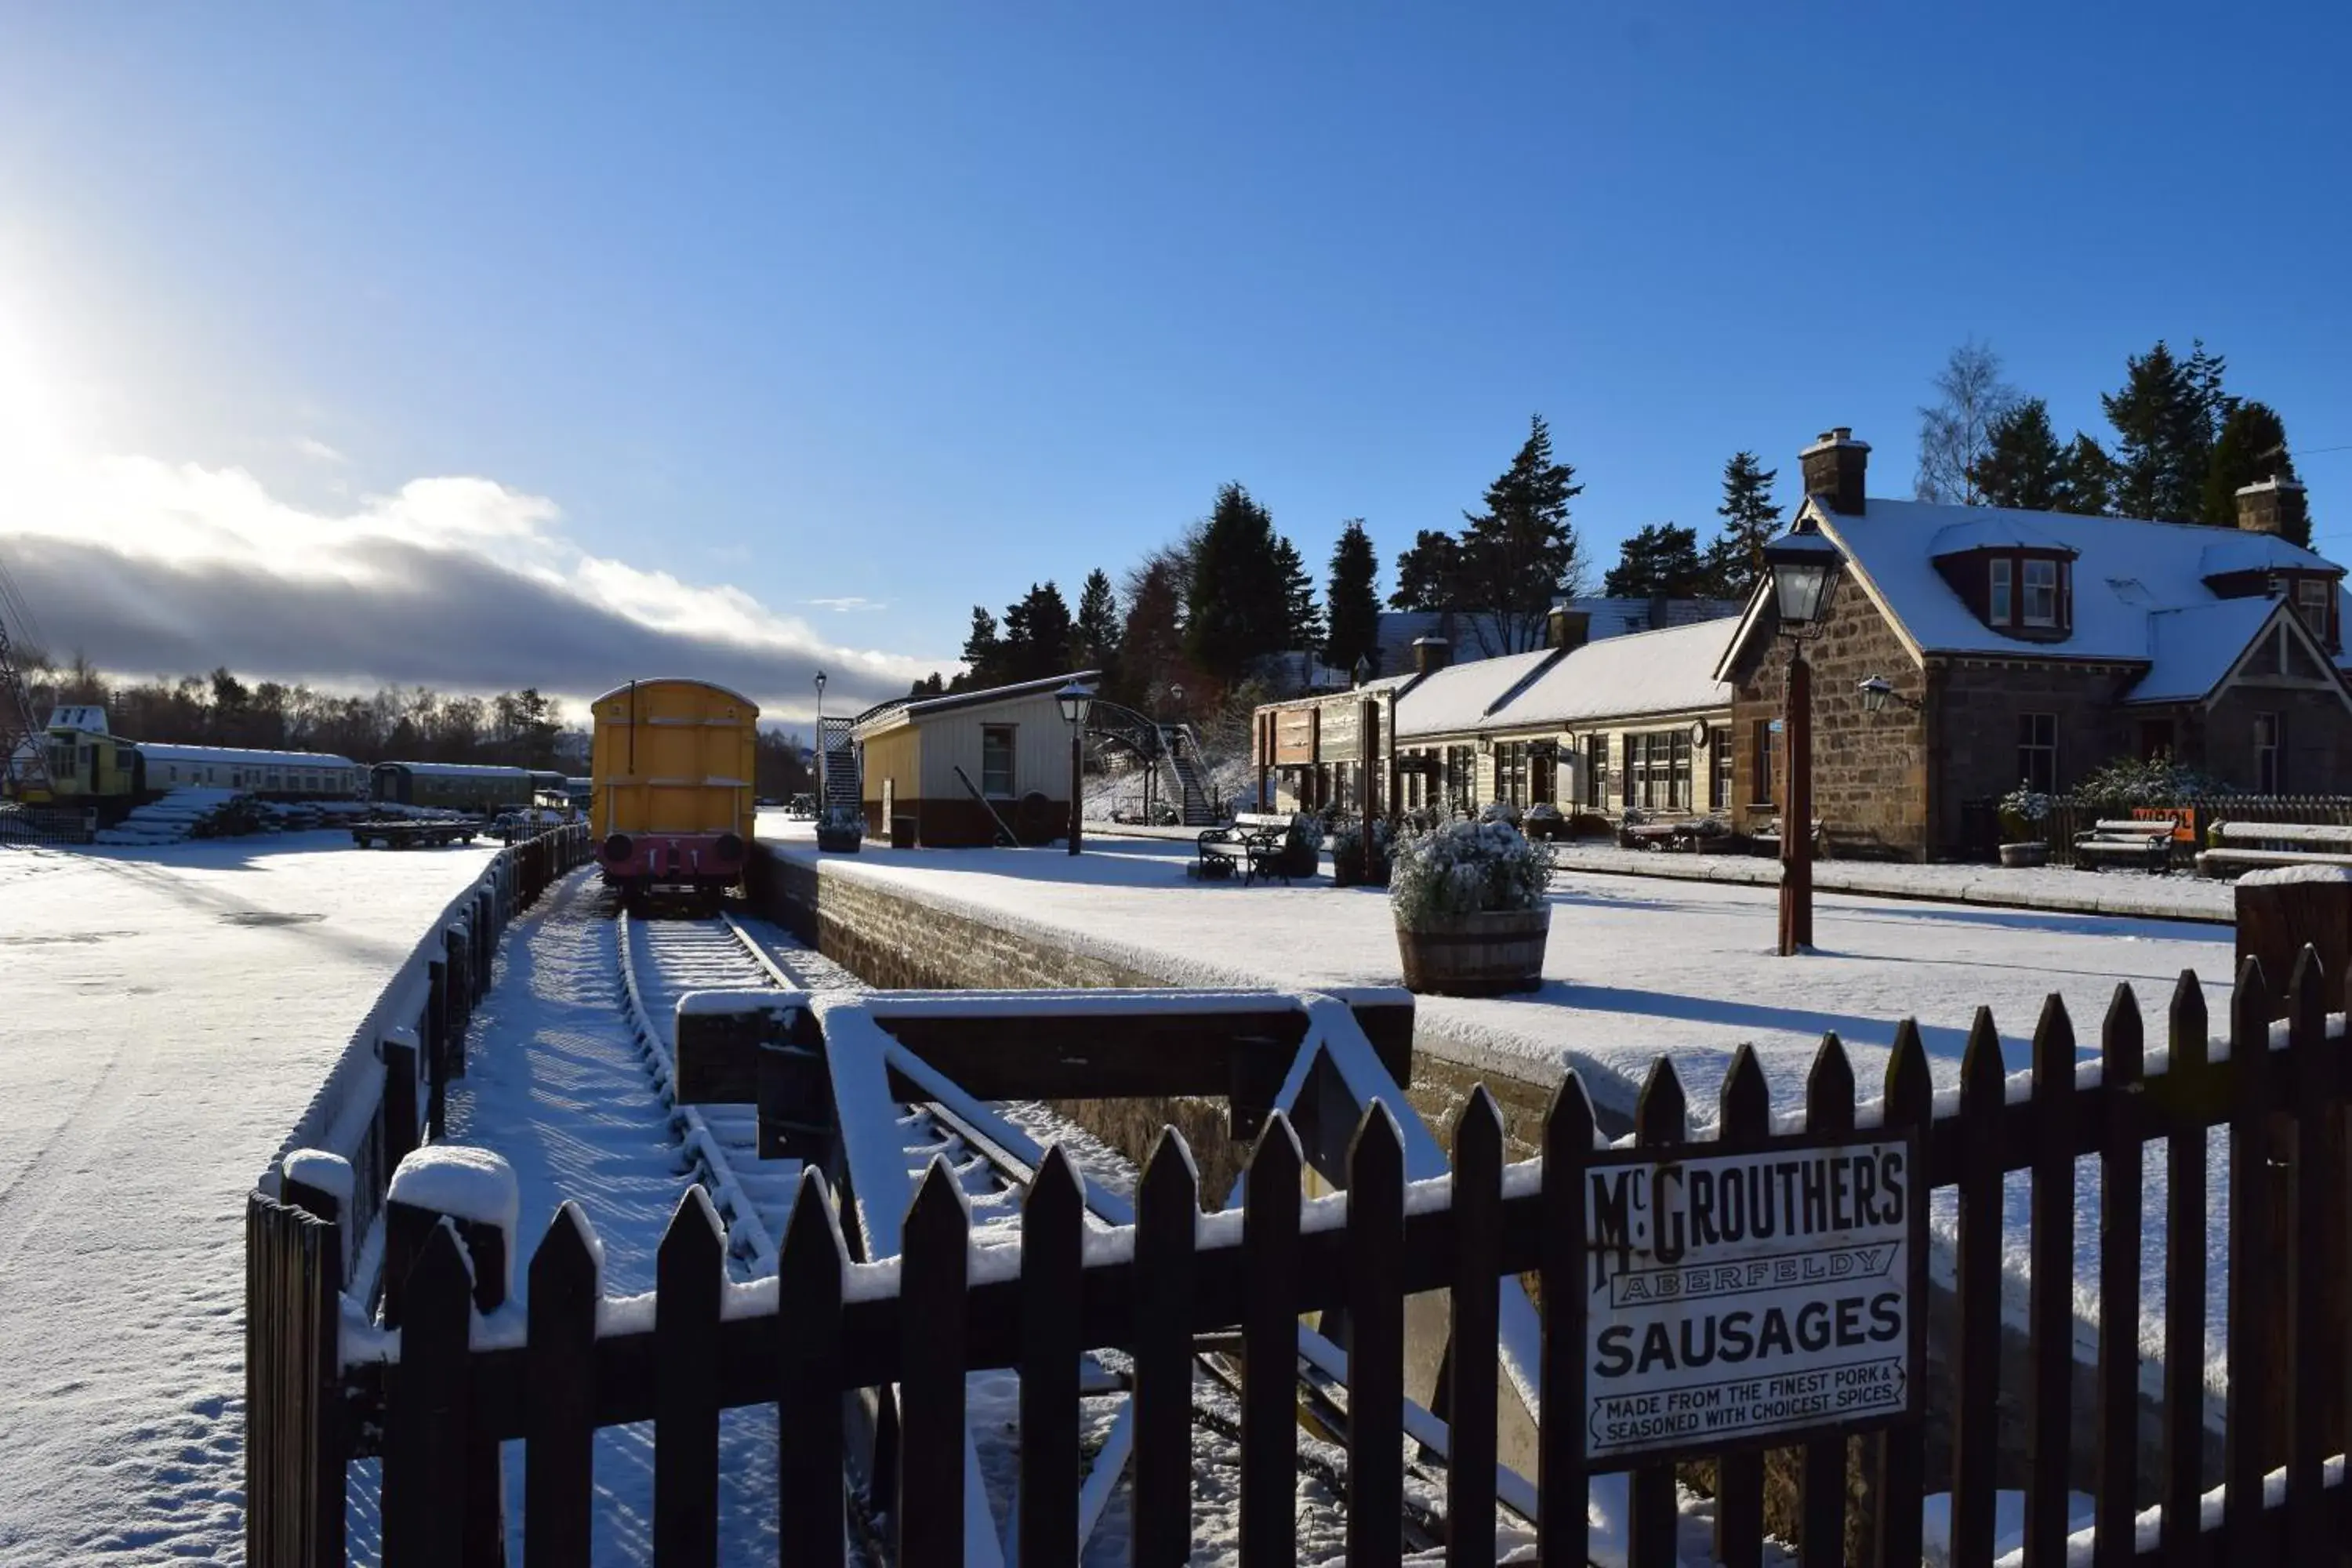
(963, 765)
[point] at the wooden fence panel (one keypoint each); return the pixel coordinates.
(688, 1274)
(2050, 1285)
(426, 1435)
(2182, 1091)
(1269, 1483)
(2251, 1268)
(1563, 1508)
(810, 1519)
(1053, 1238)
(2122, 1060)
(1167, 1206)
(932, 1394)
(1471, 1370)
(1829, 1110)
(1375, 1340)
(1659, 1123)
(1976, 1363)
(1744, 1116)
(1901, 1472)
(560, 1455)
(2316, 1207)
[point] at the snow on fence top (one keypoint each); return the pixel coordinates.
(474, 1184)
(2281, 876)
(329, 1173)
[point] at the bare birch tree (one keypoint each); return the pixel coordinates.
(1956, 431)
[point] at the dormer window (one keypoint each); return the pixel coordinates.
(1999, 599)
(2041, 592)
(2313, 597)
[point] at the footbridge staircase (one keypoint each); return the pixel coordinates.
(1169, 754)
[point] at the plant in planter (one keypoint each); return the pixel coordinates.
(1360, 855)
(1302, 846)
(1500, 811)
(1544, 820)
(842, 829)
(2024, 810)
(1471, 917)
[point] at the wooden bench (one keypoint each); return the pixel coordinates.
(1252, 843)
(2146, 844)
(2251, 846)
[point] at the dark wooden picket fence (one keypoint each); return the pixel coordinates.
(436, 1413)
(298, 1266)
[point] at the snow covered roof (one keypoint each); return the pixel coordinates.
(906, 709)
(87, 718)
(1477, 636)
(1668, 671)
(2124, 568)
(234, 757)
(2001, 529)
(2193, 649)
(1459, 697)
(2235, 552)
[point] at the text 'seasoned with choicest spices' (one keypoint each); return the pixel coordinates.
(1733, 1297)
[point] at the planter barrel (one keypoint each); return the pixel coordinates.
(1490, 954)
(2027, 854)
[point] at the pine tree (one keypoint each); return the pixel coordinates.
(2166, 418)
(984, 653)
(1238, 608)
(1302, 617)
(1522, 550)
(1954, 430)
(1734, 560)
(1429, 574)
(1036, 635)
(2089, 479)
(2251, 447)
(1152, 643)
(2022, 465)
(1094, 637)
(1353, 596)
(1661, 561)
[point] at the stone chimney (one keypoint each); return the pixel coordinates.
(2271, 505)
(1566, 628)
(1834, 467)
(1430, 654)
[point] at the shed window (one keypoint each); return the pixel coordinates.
(2042, 592)
(1999, 609)
(1759, 760)
(996, 760)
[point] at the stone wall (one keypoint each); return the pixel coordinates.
(1975, 724)
(1871, 771)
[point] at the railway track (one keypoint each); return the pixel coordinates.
(995, 1158)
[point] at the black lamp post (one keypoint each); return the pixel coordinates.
(1076, 701)
(824, 751)
(1805, 567)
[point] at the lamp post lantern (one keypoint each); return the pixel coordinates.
(1804, 568)
(1076, 701)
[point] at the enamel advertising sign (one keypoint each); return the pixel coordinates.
(1760, 1297)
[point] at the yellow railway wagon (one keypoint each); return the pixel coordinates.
(670, 780)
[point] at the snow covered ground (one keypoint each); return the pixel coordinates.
(165, 1017)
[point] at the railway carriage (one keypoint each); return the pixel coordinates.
(91, 768)
(478, 791)
(671, 771)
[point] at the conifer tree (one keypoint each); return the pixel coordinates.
(1734, 560)
(2022, 465)
(1302, 617)
(2090, 478)
(1353, 598)
(2166, 416)
(1151, 642)
(1660, 561)
(1238, 608)
(1522, 550)
(2251, 447)
(1429, 573)
(983, 652)
(1094, 638)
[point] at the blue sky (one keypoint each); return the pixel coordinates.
(803, 329)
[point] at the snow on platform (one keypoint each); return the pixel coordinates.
(165, 1017)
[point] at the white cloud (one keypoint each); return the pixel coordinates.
(847, 604)
(454, 580)
(319, 451)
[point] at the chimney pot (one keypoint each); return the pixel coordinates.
(1834, 468)
(1430, 654)
(1568, 628)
